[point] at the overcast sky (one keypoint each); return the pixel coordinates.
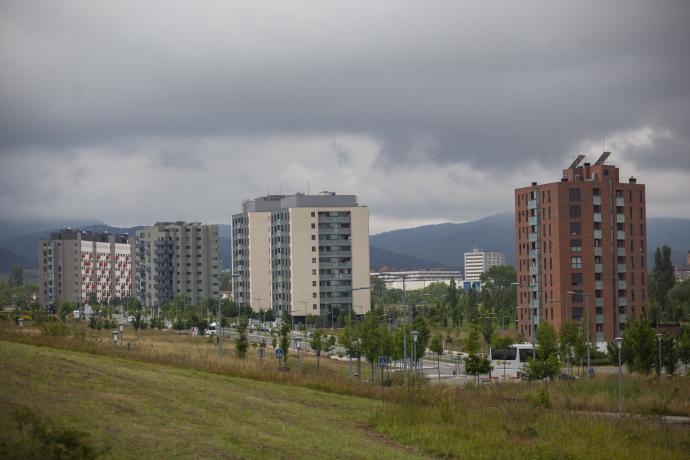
(132, 112)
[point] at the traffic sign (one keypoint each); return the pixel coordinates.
(318, 353)
(382, 362)
(279, 353)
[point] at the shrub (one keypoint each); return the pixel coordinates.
(40, 441)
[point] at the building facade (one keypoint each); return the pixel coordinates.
(80, 266)
(419, 279)
(174, 258)
(580, 247)
(478, 261)
(302, 254)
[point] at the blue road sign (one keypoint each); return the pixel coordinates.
(382, 362)
(279, 353)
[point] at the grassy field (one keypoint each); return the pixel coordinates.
(151, 411)
(170, 397)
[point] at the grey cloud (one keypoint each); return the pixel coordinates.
(495, 86)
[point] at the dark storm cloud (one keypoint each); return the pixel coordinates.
(492, 86)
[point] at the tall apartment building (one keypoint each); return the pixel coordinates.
(302, 254)
(176, 258)
(478, 261)
(78, 265)
(581, 251)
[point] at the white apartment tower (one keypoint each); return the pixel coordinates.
(478, 261)
(302, 254)
(174, 258)
(79, 266)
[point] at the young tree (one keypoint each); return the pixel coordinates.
(285, 337)
(471, 346)
(679, 302)
(477, 365)
(320, 342)
(436, 346)
(372, 344)
(546, 366)
(661, 280)
(684, 349)
(242, 344)
(498, 294)
(138, 322)
(452, 300)
(65, 309)
(16, 278)
(639, 348)
(669, 354)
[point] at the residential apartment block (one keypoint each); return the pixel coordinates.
(79, 266)
(302, 254)
(580, 247)
(176, 258)
(478, 261)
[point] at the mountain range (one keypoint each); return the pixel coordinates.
(428, 246)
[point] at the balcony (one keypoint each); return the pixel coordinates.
(534, 303)
(620, 201)
(622, 284)
(532, 220)
(623, 301)
(620, 234)
(621, 252)
(533, 237)
(598, 302)
(597, 251)
(600, 319)
(597, 234)
(621, 268)
(598, 268)
(596, 200)
(534, 269)
(620, 218)
(622, 318)
(335, 253)
(341, 219)
(599, 285)
(335, 265)
(347, 289)
(532, 204)
(597, 217)
(534, 253)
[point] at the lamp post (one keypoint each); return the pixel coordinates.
(122, 332)
(414, 349)
(619, 344)
(658, 340)
(116, 333)
(359, 359)
(298, 345)
(590, 371)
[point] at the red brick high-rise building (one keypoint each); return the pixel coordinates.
(581, 251)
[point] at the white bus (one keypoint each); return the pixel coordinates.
(508, 362)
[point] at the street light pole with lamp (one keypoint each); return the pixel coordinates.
(658, 340)
(414, 350)
(619, 344)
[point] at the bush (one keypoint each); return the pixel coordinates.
(37, 440)
(56, 329)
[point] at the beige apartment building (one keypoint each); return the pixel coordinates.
(79, 266)
(302, 254)
(174, 258)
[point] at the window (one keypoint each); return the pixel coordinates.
(574, 194)
(576, 262)
(577, 313)
(576, 245)
(313, 237)
(313, 294)
(313, 214)
(575, 228)
(576, 279)
(576, 297)
(574, 211)
(313, 260)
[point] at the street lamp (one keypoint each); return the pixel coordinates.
(658, 340)
(619, 344)
(122, 332)
(359, 359)
(298, 345)
(414, 349)
(116, 333)
(590, 371)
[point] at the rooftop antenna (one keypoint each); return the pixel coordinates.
(308, 187)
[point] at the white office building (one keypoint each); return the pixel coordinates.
(478, 261)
